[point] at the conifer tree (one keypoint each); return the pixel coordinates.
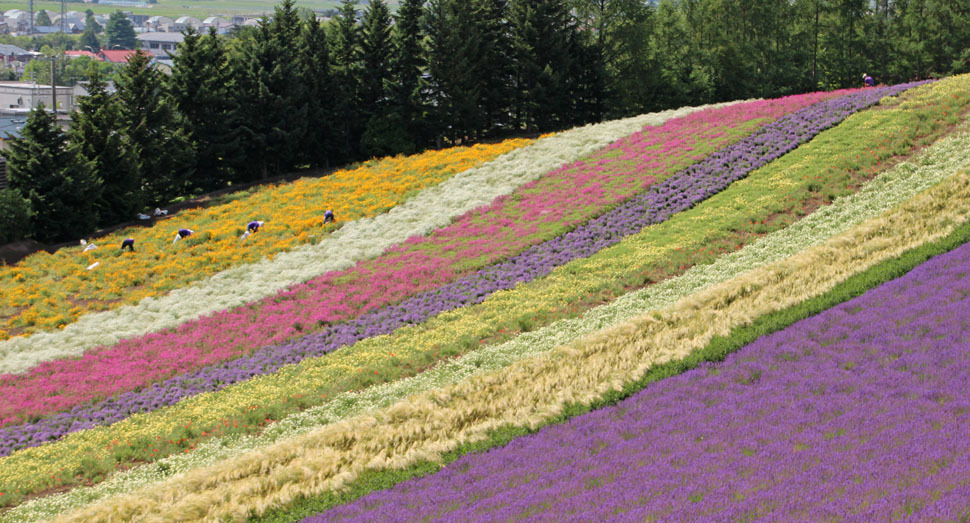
(163, 157)
(496, 67)
(96, 131)
(200, 85)
(542, 31)
(407, 85)
(89, 40)
(454, 51)
(315, 75)
(119, 32)
(346, 67)
(382, 131)
(60, 184)
(273, 114)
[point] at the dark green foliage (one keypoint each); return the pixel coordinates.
(314, 62)
(42, 18)
(346, 68)
(16, 216)
(200, 86)
(272, 108)
(89, 40)
(96, 130)
(161, 148)
(119, 32)
(454, 57)
(406, 84)
(59, 183)
(542, 41)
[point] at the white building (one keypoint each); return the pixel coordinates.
(21, 97)
(159, 23)
(160, 44)
(184, 22)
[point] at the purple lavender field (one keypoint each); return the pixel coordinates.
(860, 413)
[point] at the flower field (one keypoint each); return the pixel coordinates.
(571, 305)
(48, 291)
(57, 385)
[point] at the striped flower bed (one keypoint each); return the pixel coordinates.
(887, 190)
(858, 412)
(534, 390)
(354, 241)
(710, 175)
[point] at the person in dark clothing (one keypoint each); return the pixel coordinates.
(254, 226)
(129, 243)
(328, 217)
(867, 80)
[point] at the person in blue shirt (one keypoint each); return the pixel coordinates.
(328, 217)
(253, 226)
(867, 80)
(129, 243)
(182, 233)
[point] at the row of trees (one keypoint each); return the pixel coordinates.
(293, 93)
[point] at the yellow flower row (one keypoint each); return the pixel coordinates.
(533, 390)
(48, 291)
(757, 194)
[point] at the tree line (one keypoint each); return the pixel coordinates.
(293, 93)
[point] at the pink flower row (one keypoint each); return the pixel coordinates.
(540, 210)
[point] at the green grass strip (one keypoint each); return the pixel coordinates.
(716, 350)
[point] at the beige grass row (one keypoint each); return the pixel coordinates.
(531, 391)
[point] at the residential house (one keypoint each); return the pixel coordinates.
(184, 22)
(160, 45)
(159, 23)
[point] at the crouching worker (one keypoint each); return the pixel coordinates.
(253, 226)
(182, 233)
(328, 217)
(129, 243)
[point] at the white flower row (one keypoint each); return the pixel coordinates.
(433, 208)
(890, 188)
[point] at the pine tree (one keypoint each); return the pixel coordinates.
(273, 115)
(16, 216)
(48, 171)
(89, 40)
(163, 157)
(119, 32)
(43, 19)
(407, 85)
(454, 51)
(384, 133)
(542, 31)
(314, 71)
(96, 131)
(496, 69)
(200, 85)
(346, 66)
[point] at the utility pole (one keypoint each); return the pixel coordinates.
(53, 89)
(63, 12)
(31, 19)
